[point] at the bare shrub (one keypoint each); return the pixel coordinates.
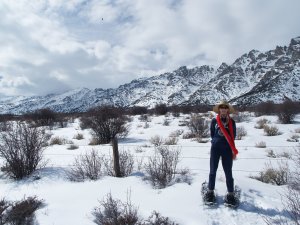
(294, 138)
(291, 202)
(199, 126)
(241, 117)
(185, 176)
(166, 122)
(93, 141)
(271, 154)
(145, 118)
(114, 212)
(261, 144)
(162, 167)
(188, 135)
(4, 205)
(261, 123)
(277, 176)
(87, 166)
(171, 141)
(271, 130)
(201, 140)
(157, 219)
(291, 196)
(78, 136)
(176, 114)
(22, 149)
(19, 212)
(126, 164)
(59, 141)
(176, 133)
(240, 132)
(183, 123)
(285, 155)
(295, 174)
(297, 130)
(140, 163)
(5, 126)
(156, 140)
(139, 149)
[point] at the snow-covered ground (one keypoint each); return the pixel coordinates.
(71, 203)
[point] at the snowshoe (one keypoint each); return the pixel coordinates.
(232, 200)
(208, 196)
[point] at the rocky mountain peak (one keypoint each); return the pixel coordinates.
(295, 41)
(253, 54)
(222, 67)
(182, 71)
(294, 48)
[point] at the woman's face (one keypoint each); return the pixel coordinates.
(223, 109)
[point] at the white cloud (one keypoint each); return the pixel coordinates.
(101, 48)
(58, 45)
(59, 75)
(9, 85)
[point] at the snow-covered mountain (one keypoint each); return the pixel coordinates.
(254, 77)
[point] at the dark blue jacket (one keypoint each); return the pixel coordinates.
(216, 133)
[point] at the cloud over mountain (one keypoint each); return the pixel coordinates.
(51, 46)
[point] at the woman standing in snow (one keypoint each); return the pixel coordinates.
(223, 132)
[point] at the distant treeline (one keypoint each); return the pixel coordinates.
(46, 117)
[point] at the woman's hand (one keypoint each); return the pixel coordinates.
(234, 156)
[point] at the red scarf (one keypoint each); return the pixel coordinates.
(229, 137)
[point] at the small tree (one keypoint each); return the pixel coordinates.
(43, 117)
(264, 108)
(138, 110)
(286, 112)
(161, 109)
(108, 124)
(22, 149)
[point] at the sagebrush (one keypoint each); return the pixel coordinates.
(22, 149)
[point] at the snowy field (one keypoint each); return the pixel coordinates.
(71, 203)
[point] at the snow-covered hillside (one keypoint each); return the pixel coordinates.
(72, 203)
(253, 78)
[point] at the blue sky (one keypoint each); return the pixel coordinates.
(49, 46)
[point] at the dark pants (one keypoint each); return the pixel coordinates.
(220, 149)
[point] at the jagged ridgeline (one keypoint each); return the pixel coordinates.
(253, 78)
